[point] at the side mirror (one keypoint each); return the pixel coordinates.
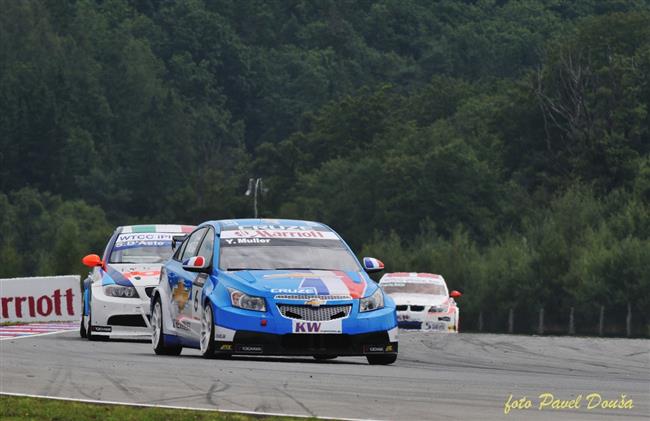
(455, 294)
(371, 265)
(92, 260)
(177, 239)
(195, 264)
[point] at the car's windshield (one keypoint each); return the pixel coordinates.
(282, 249)
(150, 247)
(405, 287)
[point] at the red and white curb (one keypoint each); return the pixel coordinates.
(35, 329)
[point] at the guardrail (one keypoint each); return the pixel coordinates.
(596, 320)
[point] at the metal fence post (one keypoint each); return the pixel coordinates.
(511, 320)
(480, 321)
(540, 328)
(572, 327)
(601, 321)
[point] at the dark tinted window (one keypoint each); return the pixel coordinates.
(207, 246)
(180, 249)
(192, 243)
(397, 286)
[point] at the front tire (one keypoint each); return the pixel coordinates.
(82, 325)
(381, 359)
(158, 334)
(207, 332)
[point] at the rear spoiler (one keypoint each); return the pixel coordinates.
(177, 240)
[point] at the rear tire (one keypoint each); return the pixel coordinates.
(158, 334)
(381, 359)
(324, 357)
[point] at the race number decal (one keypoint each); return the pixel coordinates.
(305, 326)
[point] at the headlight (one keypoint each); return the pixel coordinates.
(374, 302)
(439, 309)
(245, 301)
(120, 291)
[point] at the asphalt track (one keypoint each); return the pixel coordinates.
(437, 376)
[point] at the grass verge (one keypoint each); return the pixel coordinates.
(18, 408)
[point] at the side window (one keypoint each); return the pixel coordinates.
(207, 247)
(191, 245)
(179, 251)
(107, 250)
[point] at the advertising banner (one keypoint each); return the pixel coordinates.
(40, 299)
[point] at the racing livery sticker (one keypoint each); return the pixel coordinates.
(322, 282)
(180, 295)
(298, 291)
(157, 228)
(151, 239)
(276, 227)
(278, 234)
(394, 281)
(113, 276)
(306, 326)
(224, 334)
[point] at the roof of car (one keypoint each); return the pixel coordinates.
(265, 223)
(127, 229)
(433, 277)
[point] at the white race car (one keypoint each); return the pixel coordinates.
(117, 292)
(422, 301)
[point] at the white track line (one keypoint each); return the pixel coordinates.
(147, 405)
(36, 335)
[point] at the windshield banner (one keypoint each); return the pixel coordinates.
(402, 281)
(308, 234)
(149, 239)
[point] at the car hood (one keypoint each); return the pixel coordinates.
(132, 274)
(419, 299)
(304, 282)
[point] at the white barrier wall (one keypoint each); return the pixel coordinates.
(40, 299)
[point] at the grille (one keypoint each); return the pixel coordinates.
(401, 308)
(417, 308)
(309, 297)
(149, 291)
(313, 342)
(317, 314)
(133, 320)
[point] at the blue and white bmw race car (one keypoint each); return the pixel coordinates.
(271, 287)
(116, 293)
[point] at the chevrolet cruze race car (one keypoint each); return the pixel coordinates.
(117, 292)
(422, 301)
(271, 287)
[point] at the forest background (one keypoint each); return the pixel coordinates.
(502, 144)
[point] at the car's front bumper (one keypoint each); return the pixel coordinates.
(120, 316)
(270, 333)
(273, 322)
(247, 342)
(437, 322)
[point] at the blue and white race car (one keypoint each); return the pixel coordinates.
(271, 287)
